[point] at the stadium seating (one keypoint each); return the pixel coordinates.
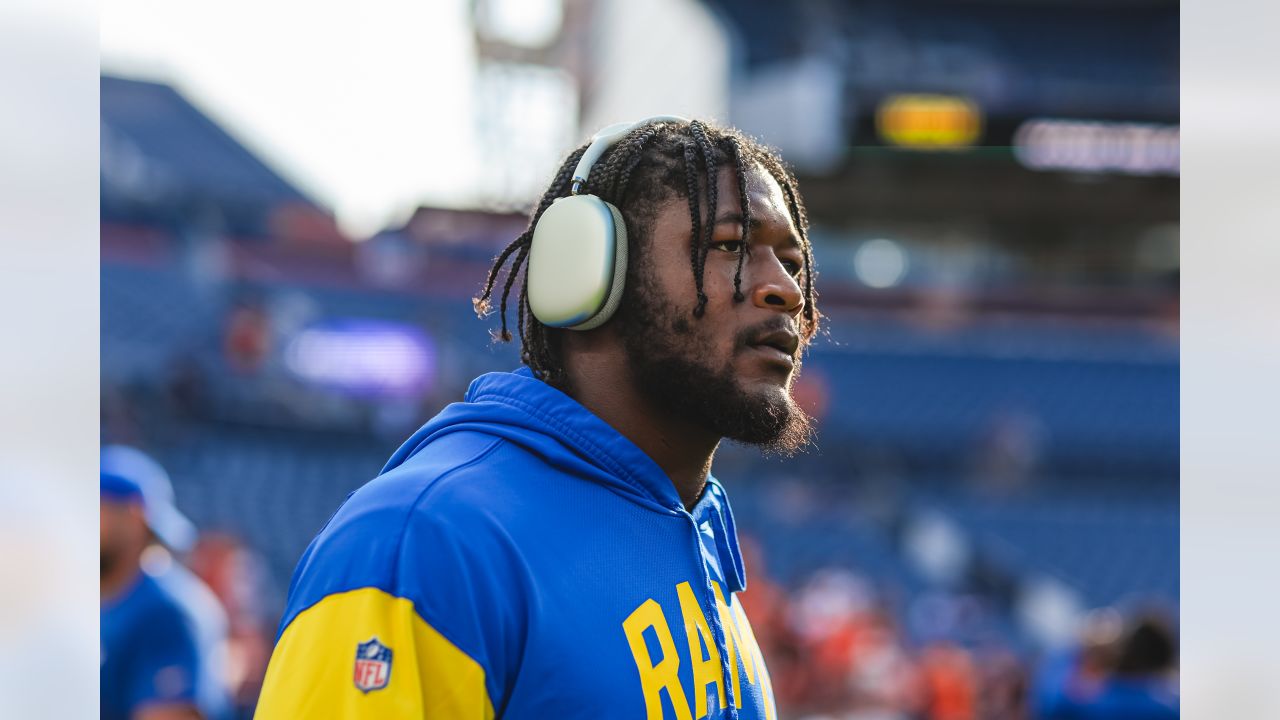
(1086, 395)
(1112, 547)
(148, 317)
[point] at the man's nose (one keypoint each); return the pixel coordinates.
(778, 289)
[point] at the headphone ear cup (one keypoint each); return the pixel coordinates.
(614, 297)
(577, 265)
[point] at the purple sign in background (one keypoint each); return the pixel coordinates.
(364, 357)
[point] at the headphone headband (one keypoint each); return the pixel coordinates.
(606, 138)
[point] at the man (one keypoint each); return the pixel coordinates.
(163, 632)
(555, 545)
(1132, 677)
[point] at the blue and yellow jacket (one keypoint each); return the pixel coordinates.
(519, 558)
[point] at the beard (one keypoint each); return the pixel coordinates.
(664, 350)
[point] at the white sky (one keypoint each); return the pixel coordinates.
(367, 107)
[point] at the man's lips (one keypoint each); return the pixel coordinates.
(783, 340)
(777, 346)
(774, 356)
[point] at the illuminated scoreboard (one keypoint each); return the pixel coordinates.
(929, 122)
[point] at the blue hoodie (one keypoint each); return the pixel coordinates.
(519, 558)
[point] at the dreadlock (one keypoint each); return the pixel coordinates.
(637, 175)
(746, 215)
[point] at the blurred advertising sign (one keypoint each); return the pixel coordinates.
(364, 357)
(1098, 146)
(929, 122)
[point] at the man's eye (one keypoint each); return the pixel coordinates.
(792, 267)
(732, 246)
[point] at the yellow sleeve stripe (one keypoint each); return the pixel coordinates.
(311, 674)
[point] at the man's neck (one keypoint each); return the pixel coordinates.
(120, 578)
(683, 451)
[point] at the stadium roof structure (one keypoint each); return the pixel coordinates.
(160, 153)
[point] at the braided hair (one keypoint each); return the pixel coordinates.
(636, 175)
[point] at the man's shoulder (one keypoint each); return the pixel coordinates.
(455, 478)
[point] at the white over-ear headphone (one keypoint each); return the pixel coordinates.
(578, 255)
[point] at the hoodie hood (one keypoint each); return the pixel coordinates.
(528, 412)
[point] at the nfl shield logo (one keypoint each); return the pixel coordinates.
(373, 665)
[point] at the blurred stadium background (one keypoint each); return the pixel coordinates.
(993, 187)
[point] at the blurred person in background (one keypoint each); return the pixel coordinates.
(238, 577)
(1143, 684)
(555, 545)
(882, 676)
(1075, 675)
(829, 613)
(949, 682)
(1121, 671)
(1004, 685)
(163, 632)
(247, 339)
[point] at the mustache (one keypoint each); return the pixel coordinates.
(749, 335)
